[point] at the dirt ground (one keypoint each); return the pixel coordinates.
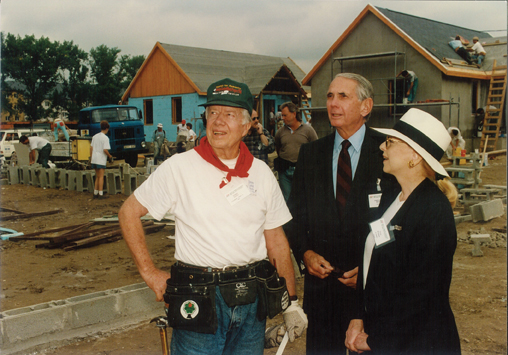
(31, 275)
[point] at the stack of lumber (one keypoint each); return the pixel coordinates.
(82, 235)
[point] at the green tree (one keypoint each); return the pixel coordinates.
(105, 71)
(75, 90)
(34, 63)
(129, 67)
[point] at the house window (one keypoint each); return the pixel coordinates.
(148, 108)
(176, 110)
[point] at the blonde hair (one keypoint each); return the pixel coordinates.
(446, 187)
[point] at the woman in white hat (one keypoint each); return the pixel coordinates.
(405, 276)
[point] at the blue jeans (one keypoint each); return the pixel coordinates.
(285, 181)
(412, 93)
(478, 58)
(238, 332)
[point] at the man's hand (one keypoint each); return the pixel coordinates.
(353, 331)
(316, 264)
(295, 320)
(259, 128)
(274, 335)
(156, 280)
(110, 159)
(349, 278)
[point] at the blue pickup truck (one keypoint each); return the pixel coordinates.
(126, 129)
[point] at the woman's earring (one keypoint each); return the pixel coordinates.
(411, 164)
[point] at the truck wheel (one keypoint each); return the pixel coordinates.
(132, 159)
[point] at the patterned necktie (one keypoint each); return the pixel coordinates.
(344, 176)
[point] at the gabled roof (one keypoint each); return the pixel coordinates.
(430, 38)
(202, 67)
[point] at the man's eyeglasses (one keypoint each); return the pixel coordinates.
(255, 118)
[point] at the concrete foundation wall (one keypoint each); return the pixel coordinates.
(41, 326)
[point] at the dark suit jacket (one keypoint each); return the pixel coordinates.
(405, 301)
(316, 224)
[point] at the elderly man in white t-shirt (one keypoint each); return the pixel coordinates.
(229, 213)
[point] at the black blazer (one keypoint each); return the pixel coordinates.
(405, 301)
(316, 224)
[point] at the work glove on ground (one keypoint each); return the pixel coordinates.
(274, 335)
(296, 320)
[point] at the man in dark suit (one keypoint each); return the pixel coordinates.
(331, 213)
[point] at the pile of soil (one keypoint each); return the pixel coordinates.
(31, 275)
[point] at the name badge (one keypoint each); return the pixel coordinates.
(235, 191)
(381, 233)
(374, 200)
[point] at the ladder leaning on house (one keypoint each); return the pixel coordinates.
(305, 109)
(494, 112)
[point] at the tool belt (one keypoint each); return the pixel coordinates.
(190, 293)
(280, 165)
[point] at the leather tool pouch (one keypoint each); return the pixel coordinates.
(272, 291)
(239, 292)
(191, 307)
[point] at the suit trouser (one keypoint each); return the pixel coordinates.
(326, 307)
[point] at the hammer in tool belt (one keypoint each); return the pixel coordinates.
(162, 323)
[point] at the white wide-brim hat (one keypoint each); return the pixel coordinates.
(159, 125)
(425, 134)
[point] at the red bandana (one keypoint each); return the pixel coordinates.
(243, 164)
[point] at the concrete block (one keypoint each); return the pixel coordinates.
(485, 211)
(136, 299)
(114, 182)
(26, 174)
(64, 178)
(81, 181)
(13, 175)
(477, 240)
(53, 323)
(130, 183)
(142, 178)
(22, 326)
(71, 180)
(152, 168)
(43, 177)
(101, 307)
(34, 177)
(52, 178)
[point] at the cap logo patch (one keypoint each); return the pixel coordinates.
(227, 90)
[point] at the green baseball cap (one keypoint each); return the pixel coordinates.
(227, 92)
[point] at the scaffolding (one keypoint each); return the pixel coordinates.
(394, 105)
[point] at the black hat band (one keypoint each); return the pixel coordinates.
(418, 137)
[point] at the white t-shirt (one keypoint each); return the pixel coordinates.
(209, 230)
(192, 135)
(37, 142)
(182, 130)
(478, 48)
(100, 142)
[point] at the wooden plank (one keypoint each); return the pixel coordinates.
(3, 209)
(30, 215)
(36, 235)
(108, 237)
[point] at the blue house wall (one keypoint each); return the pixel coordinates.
(162, 113)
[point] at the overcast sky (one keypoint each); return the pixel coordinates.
(302, 30)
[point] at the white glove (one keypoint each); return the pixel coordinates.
(274, 335)
(296, 320)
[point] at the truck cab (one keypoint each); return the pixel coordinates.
(126, 131)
